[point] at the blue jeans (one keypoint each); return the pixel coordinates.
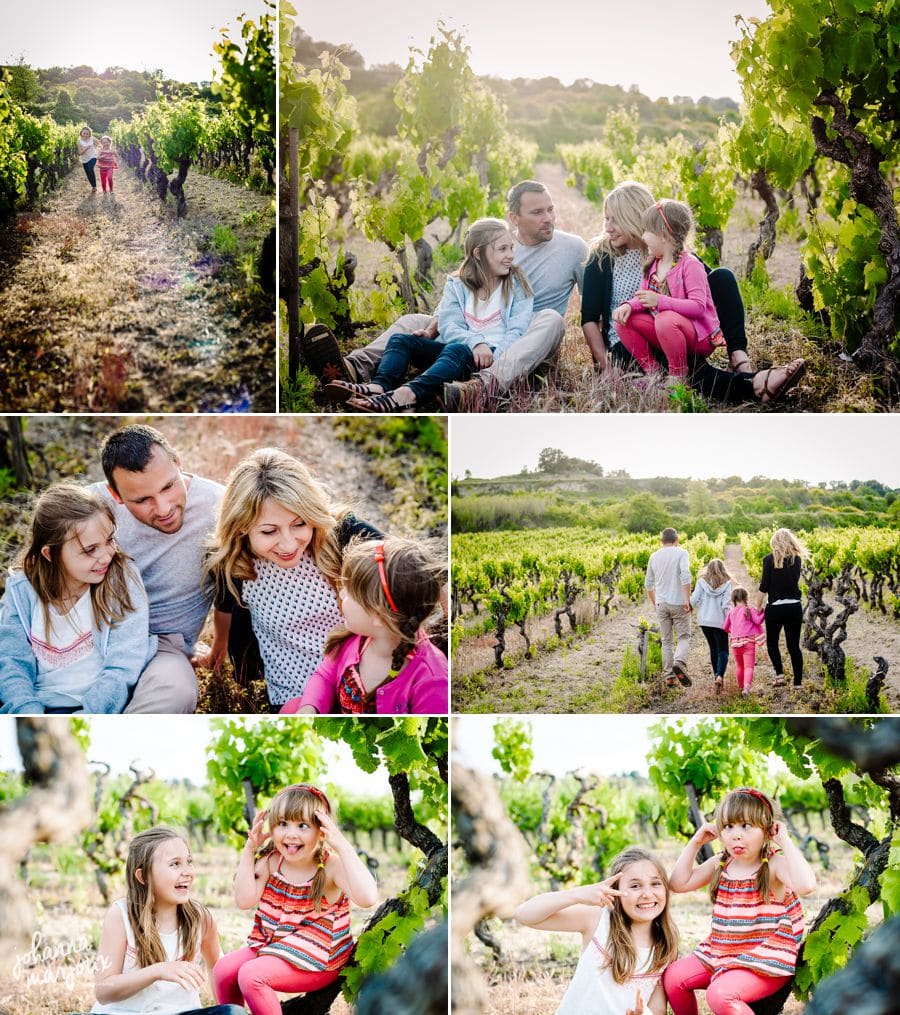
(89, 172)
(717, 640)
(439, 361)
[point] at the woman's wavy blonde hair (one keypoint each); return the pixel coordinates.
(300, 803)
(271, 474)
(482, 233)
(140, 902)
(785, 546)
(58, 513)
(715, 573)
(754, 807)
(626, 203)
(622, 950)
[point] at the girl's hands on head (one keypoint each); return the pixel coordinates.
(188, 975)
(602, 893)
(257, 834)
(648, 298)
(333, 836)
(778, 833)
(621, 314)
(705, 834)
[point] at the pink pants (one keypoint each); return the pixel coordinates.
(744, 661)
(669, 331)
(727, 995)
(106, 176)
(244, 977)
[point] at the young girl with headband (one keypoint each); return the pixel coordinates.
(757, 922)
(301, 881)
(673, 311)
(382, 660)
(627, 933)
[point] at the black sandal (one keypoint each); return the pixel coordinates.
(380, 403)
(341, 391)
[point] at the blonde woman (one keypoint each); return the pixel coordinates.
(613, 275)
(276, 560)
(711, 599)
(87, 152)
(780, 584)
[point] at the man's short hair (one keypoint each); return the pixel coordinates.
(130, 448)
(669, 536)
(514, 197)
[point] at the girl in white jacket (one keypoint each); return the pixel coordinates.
(711, 599)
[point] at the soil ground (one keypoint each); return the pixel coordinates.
(578, 675)
(111, 303)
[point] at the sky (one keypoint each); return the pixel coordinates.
(562, 743)
(664, 48)
(176, 36)
(814, 448)
(174, 747)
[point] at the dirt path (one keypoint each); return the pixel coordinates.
(110, 303)
(579, 677)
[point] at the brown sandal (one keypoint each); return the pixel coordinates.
(793, 371)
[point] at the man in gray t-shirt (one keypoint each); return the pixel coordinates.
(554, 263)
(163, 517)
(668, 585)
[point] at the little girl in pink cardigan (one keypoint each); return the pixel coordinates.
(382, 660)
(744, 625)
(674, 310)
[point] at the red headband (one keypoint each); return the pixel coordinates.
(309, 789)
(379, 557)
(659, 208)
(759, 796)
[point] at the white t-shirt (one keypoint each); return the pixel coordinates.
(593, 991)
(292, 609)
(162, 997)
(67, 655)
(87, 150)
(487, 321)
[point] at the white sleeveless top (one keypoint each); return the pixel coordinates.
(593, 991)
(162, 997)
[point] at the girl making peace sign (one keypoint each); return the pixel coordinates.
(628, 937)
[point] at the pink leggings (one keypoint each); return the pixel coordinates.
(727, 995)
(669, 331)
(744, 661)
(106, 176)
(244, 977)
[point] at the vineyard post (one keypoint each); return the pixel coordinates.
(293, 272)
(705, 852)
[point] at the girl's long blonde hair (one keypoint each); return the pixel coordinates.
(669, 219)
(715, 573)
(414, 577)
(785, 546)
(300, 803)
(626, 203)
(271, 473)
(59, 511)
(622, 950)
(754, 807)
(140, 901)
(473, 271)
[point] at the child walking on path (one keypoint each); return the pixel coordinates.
(153, 939)
(627, 933)
(487, 305)
(668, 585)
(381, 659)
(107, 163)
(673, 311)
(710, 599)
(74, 620)
(744, 624)
(302, 885)
(757, 922)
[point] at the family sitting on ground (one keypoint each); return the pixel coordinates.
(629, 962)
(724, 612)
(647, 304)
(104, 608)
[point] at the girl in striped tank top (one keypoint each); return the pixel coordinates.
(757, 922)
(628, 937)
(302, 885)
